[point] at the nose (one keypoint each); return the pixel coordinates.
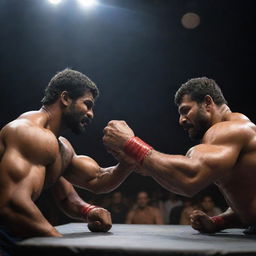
(90, 113)
(182, 119)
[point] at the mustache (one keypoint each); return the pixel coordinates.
(86, 120)
(186, 126)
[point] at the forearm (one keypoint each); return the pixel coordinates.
(85, 173)
(72, 206)
(109, 178)
(174, 172)
(24, 219)
(68, 200)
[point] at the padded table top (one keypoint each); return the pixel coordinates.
(140, 240)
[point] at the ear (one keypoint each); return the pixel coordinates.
(208, 102)
(65, 99)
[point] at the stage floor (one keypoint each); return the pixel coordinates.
(139, 240)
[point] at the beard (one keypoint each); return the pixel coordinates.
(201, 125)
(75, 120)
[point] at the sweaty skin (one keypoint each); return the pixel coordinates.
(33, 157)
(225, 156)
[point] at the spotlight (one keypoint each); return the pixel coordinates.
(87, 2)
(54, 1)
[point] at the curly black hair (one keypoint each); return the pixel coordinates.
(74, 82)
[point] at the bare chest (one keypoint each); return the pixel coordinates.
(143, 217)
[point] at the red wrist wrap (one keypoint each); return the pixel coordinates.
(86, 208)
(137, 149)
(219, 221)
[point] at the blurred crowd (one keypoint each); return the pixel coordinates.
(143, 207)
(146, 209)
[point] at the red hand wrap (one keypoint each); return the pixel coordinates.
(219, 221)
(86, 208)
(137, 149)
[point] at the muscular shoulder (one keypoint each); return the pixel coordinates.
(235, 130)
(31, 140)
(233, 135)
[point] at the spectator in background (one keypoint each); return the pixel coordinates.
(187, 211)
(181, 214)
(117, 208)
(143, 213)
(171, 202)
(157, 201)
(208, 206)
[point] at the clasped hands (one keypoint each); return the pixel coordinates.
(116, 134)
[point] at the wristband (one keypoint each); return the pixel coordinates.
(137, 149)
(86, 208)
(219, 222)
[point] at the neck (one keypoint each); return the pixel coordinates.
(221, 113)
(54, 117)
(44, 109)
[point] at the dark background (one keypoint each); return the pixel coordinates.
(138, 53)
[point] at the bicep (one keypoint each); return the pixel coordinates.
(82, 171)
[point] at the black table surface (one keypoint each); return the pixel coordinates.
(140, 240)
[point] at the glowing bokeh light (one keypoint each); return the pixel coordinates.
(87, 2)
(54, 1)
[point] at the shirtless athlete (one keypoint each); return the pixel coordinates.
(33, 157)
(225, 155)
(143, 213)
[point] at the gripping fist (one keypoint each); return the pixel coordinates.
(99, 220)
(116, 133)
(202, 222)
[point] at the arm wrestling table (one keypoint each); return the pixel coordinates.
(139, 240)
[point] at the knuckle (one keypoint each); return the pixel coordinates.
(112, 122)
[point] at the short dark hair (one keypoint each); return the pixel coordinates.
(74, 82)
(198, 88)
